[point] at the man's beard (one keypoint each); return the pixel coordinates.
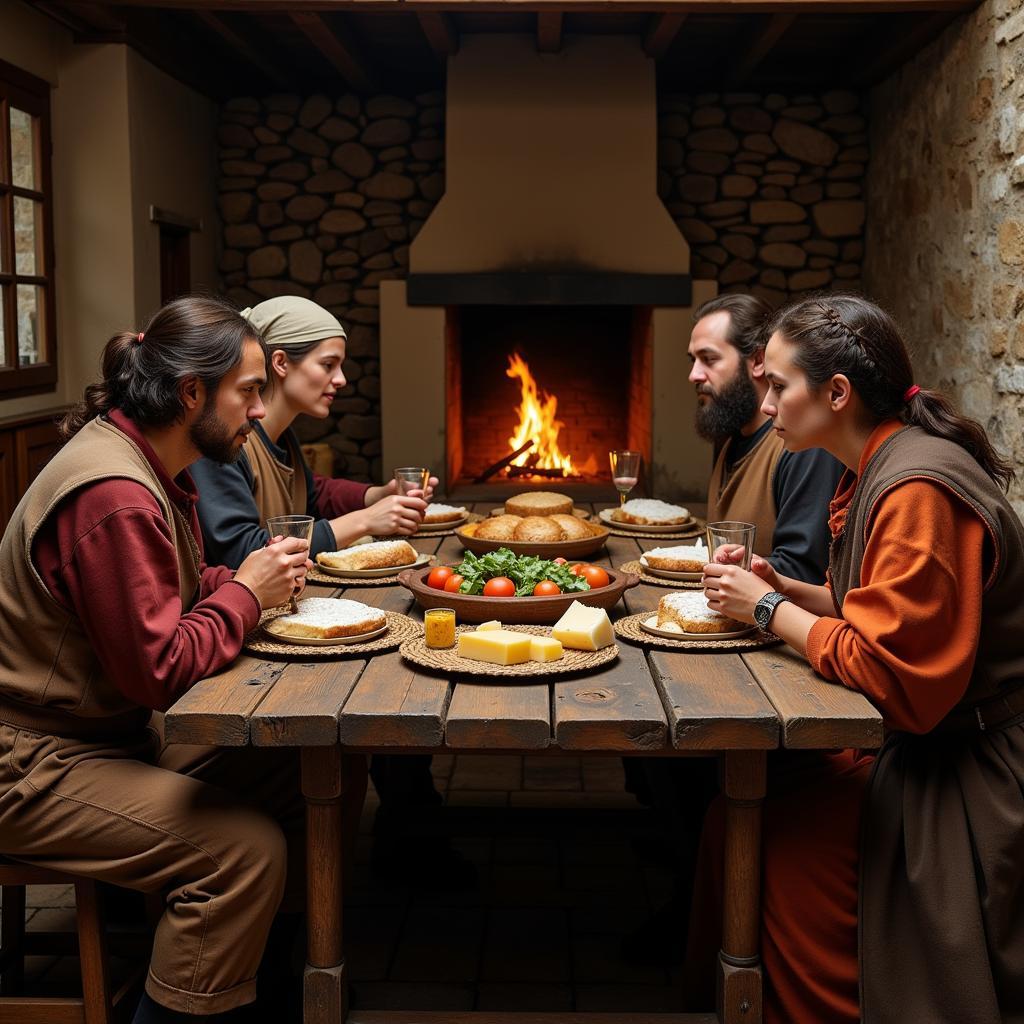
(213, 438)
(729, 410)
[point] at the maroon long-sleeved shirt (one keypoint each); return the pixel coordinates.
(107, 555)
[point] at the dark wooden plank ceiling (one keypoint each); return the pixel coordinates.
(251, 47)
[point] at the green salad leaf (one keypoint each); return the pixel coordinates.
(525, 571)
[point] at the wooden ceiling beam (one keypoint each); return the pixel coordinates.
(338, 48)
(441, 33)
(879, 64)
(661, 33)
(549, 31)
(263, 64)
(760, 46)
(84, 19)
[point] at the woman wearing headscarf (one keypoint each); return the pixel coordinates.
(271, 477)
(893, 885)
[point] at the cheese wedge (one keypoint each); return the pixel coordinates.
(492, 624)
(583, 628)
(497, 646)
(545, 648)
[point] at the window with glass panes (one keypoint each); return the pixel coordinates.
(28, 356)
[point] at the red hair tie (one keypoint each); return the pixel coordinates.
(910, 392)
(139, 337)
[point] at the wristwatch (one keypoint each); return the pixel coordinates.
(765, 608)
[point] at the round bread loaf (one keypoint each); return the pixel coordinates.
(538, 528)
(572, 528)
(497, 528)
(539, 503)
(691, 613)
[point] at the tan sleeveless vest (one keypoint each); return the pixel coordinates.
(278, 490)
(747, 495)
(46, 659)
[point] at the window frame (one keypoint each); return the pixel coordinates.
(26, 92)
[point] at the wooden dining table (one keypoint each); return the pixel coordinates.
(736, 706)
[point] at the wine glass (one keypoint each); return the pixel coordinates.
(625, 471)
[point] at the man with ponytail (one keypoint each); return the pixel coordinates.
(108, 613)
(893, 884)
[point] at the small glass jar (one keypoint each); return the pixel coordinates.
(439, 627)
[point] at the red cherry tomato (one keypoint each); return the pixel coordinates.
(577, 569)
(452, 584)
(595, 576)
(561, 561)
(500, 586)
(546, 588)
(439, 576)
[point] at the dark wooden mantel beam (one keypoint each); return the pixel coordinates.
(549, 31)
(441, 33)
(761, 45)
(661, 33)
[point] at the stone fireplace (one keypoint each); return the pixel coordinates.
(550, 244)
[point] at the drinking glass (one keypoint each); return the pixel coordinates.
(411, 478)
(292, 526)
(733, 535)
(625, 471)
(439, 627)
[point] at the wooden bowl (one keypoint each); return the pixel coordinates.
(522, 611)
(573, 550)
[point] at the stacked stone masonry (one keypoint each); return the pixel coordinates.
(945, 247)
(321, 197)
(768, 189)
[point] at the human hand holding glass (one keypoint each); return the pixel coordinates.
(411, 478)
(731, 543)
(625, 472)
(300, 527)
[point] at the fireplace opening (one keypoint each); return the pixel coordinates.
(559, 385)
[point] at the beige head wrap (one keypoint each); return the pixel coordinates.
(289, 320)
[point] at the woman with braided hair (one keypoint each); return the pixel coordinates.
(893, 885)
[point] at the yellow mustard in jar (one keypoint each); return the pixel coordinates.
(439, 627)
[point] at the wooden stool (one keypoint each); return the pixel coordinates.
(97, 1004)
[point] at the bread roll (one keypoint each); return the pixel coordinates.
(538, 528)
(572, 527)
(381, 554)
(498, 528)
(539, 503)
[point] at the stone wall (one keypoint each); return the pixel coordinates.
(768, 189)
(945, 244)
(321, 198)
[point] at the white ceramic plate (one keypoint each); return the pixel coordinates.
(449, 524)
(668, 574)
(605, 515)
(369, 574)
(315, 641)
(669, 634)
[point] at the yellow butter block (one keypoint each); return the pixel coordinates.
(583, 628)
(545, 648)
(497, 646)
(484, 626)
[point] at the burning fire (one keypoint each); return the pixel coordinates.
(537, 422)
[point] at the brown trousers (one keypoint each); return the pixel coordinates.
(220, 832)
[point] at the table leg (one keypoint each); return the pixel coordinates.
(324, 992)
(739, 962)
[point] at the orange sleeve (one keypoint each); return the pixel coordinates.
(909, 632)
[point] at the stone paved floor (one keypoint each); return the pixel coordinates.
(568, 863)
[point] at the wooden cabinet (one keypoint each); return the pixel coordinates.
(27, 443)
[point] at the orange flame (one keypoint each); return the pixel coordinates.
(536, 420)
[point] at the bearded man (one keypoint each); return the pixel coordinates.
(754, 479)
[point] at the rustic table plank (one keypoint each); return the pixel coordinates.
(392, 705)
(815, 714)
(489, 714)
(217, 709)
(644, 598)
(303, 707)
(713, 702)
(616, 707)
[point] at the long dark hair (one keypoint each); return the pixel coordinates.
(840, 333)
(194, 336)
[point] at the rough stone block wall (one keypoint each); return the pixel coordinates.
(320, 197)
(768, 189)
(945, 244)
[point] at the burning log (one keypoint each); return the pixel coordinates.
(502, 463)
(515, 472)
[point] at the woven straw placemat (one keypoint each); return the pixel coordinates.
(449, 662)
(400, 629)
(629, 629)
(658, 581)
(317, 576)
(695, 529)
